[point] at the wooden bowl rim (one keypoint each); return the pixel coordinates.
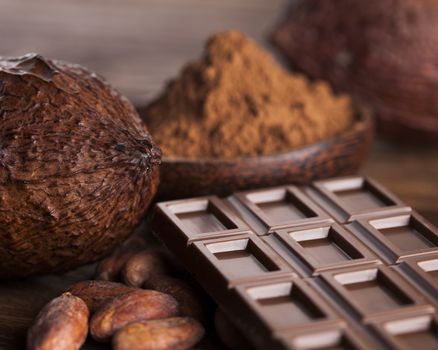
(363, 121)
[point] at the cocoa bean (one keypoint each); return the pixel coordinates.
(135, 306)
(61, 325)
(109, 268)
(97, 293)
(141, 266)
(188, 297)
(176, 333)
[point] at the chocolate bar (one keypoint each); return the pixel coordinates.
(341, 263)
(397, 237)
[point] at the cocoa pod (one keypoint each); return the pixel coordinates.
(97, 293)
(176, 333)
(189, 298)
(135, 306)
(141, 266)
(109, 268)
(228, 333)
(61, 325)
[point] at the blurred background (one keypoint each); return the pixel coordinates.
(135, 44)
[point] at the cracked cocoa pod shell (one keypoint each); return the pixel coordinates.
(78, 168)
(383, 51)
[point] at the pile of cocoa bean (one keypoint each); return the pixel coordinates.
(140, 299)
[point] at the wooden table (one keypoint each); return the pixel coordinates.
(138, 45)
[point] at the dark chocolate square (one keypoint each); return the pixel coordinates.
(237, 259)
(354, 197)
(397, 237)
(285, 304)
(199, 218)
(271, 209)
(320, 247)
(374, 292)
(413, 332)
(422, 271)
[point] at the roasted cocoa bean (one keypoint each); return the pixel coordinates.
(109, 268)
(176, 333)
(189, 298)
(61, 325)
(97, 293)
(143, 265)
(131, 307)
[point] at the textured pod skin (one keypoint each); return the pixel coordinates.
(384, 51)
(62, 325)
(138, 305)
(176, 333)
(97, 293)
(77, 167)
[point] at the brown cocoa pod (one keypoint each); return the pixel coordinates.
(141, 266)
(62, 325)
(176, 333)
(137, 305)
(228, 333)
(109, 268)
(97, 293)
(189, 298)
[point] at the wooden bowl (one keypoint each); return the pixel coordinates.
(340, 155)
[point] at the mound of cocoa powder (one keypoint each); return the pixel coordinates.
(237, 101)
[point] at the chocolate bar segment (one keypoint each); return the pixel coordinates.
(396, 238)
(417, 332)
(351, 198)
(328, 339)
(319, 247)
(282, 307)
(232, 260)
(287, 304)
(422, 271)
(373, 293)
(181, 222)
(268, 210)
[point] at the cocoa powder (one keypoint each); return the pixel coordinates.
(237, 101)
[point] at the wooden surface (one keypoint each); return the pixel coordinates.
(137, 45)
